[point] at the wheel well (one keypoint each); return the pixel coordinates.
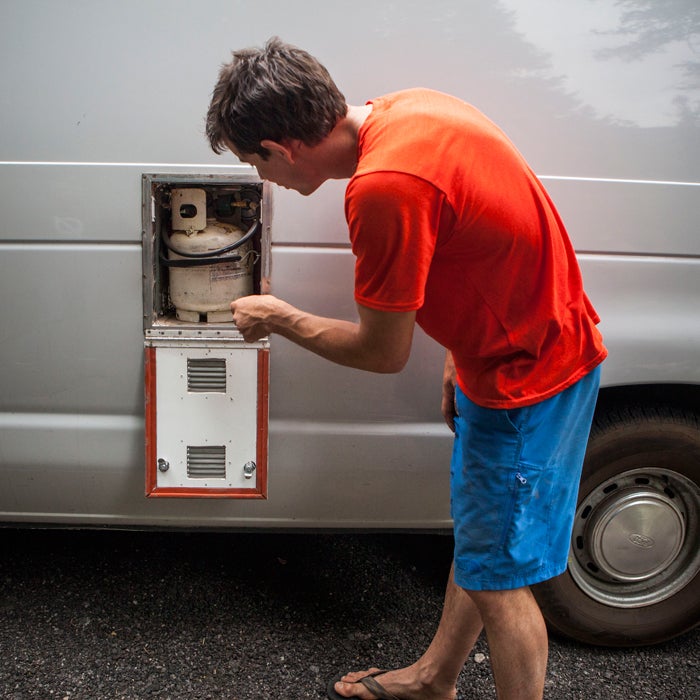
(679, 396)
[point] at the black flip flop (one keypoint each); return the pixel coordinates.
(368, 681)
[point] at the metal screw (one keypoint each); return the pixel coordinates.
(163, 465)
(249, 469)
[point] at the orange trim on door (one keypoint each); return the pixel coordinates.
(263, 419)
(150, 413)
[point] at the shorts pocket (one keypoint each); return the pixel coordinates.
(524, 542)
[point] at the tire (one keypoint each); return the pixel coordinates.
(634, 565)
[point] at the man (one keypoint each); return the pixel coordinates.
(451, 230)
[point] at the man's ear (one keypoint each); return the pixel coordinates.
(284, 150)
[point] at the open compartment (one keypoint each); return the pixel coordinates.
(205, 243)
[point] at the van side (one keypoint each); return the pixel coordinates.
(103, 109)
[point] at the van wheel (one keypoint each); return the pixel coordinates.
(634, 566)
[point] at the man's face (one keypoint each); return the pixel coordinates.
(281, 170)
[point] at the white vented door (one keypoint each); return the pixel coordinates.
(206, 419)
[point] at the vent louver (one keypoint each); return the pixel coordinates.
(206, 462)
(206, 375)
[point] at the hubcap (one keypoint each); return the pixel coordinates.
(635, 538)
(636, 535)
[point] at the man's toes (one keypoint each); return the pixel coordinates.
(355, 676)
(348, 686)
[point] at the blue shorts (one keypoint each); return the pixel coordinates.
(514, 482)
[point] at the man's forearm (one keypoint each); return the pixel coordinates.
(335, 340)
(379, 343)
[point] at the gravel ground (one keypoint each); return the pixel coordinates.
(102, 615)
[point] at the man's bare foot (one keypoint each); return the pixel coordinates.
(402, 684)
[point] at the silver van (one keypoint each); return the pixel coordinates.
(124, 405)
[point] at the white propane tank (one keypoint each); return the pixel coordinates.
(209, 289)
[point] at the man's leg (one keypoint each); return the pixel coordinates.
(434, 675)
(513, 506)
(517, 639)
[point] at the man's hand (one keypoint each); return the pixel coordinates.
(254, 315)
(449, 380)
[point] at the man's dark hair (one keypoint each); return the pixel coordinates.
(278, 92)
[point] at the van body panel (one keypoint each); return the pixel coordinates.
(94, 95)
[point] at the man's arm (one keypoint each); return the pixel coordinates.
(380, 342)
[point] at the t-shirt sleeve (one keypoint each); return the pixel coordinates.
(393, 220)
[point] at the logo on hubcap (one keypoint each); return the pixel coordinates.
(642, 541)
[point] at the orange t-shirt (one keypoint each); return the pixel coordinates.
(447, 219)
